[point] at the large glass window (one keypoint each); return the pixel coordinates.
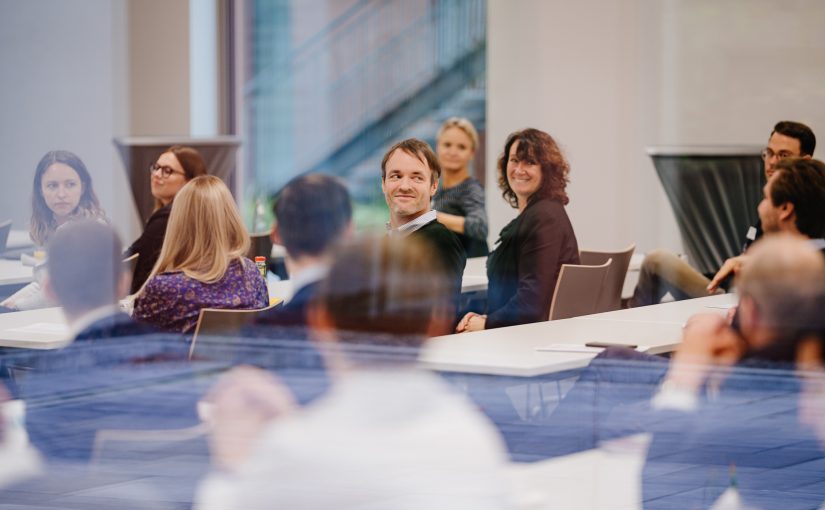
(329, 85)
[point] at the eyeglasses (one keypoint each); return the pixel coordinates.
(165, 171)
(770, 154)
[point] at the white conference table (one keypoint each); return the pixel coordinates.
(511, 351)
(606, 477)
(47, 328)
(473, 280)
(19, 239)
(518, 351)
(528, 350)
(676, 312)
(34, 329)
(13, 272)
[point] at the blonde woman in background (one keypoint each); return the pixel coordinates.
(202, 262)
(460, 198)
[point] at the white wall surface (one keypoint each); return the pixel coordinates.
(203, 68)
(78, 73)
(159, 67)
(62, 87)
(608, 78)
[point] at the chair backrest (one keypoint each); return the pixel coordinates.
(260, 246)
(578, 290)
(611, 298)
(220, 322)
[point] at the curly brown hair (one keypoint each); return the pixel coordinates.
(539, 147)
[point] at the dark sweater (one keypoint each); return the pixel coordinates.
(448, 250)
(292, 313)
(523, 269)
(148, 245)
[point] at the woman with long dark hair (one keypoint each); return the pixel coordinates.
(62, 191)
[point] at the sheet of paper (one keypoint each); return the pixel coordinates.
(569, 348)
(722, 307)
(43, 328)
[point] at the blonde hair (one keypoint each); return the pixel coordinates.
(205, 232)
(462, 124)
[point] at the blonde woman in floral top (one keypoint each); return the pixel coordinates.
(202, 262)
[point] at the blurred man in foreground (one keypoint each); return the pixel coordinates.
(387, 435)
(728, 409)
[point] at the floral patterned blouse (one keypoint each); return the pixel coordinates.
(172, 301)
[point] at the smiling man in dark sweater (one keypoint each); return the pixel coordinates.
(409, 179)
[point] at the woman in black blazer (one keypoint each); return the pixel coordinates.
(176, 166)
(523, 268)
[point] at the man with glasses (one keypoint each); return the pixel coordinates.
(663, 272)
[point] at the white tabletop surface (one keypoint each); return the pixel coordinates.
(13, 272)
(677, 312)
(513, 351)
(474, 279)
(605, 477)
(475, 275)
(19, 239)
(35, 329)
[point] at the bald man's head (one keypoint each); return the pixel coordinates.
(781, 287)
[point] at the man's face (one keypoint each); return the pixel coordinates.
(779, 147)
(769, 214)
(407, 187)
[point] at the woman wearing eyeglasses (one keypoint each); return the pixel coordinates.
(174, 168)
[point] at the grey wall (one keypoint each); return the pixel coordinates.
(642, 72)
(609, 78)
(62, 86)
(79, 73)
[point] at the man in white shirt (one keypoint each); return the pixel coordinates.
(387, 434)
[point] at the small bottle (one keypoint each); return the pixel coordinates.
(261, 263)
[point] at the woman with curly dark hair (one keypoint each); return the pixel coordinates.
(522, 270)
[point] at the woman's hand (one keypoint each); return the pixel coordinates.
(471, 322)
